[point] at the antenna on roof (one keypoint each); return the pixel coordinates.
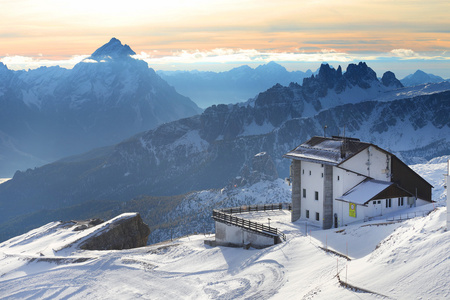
(324, 131)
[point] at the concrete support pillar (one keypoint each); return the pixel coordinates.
(328, 197)
(296, 190)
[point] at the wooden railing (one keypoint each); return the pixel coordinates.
(225, 216)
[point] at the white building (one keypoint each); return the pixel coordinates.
(337, 181)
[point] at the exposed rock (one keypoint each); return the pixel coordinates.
(82, 225)
(124, 233)
(360, 75)
(263, 163)
(263, 168)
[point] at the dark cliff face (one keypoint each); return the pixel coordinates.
(126, 233)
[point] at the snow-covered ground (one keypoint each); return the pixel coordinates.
(402, 260)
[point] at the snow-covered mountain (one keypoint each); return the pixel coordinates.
(420, 77)
(208, 150)
(49, 113)
(236, 85)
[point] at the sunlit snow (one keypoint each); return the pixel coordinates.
(398, 260)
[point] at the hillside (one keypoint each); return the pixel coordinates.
(208, 150)
(175, 216)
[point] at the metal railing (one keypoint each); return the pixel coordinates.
(409, 215)
(261, 207)
(225, 216)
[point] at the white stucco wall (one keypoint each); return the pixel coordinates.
(237, 235)
(343, 181)
(374, 208)
(370, 162)
(312, 183)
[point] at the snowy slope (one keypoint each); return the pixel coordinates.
(403, 260)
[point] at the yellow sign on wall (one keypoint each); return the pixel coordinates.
(352, 210)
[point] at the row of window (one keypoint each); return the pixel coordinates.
(310, 173)
(303, 172)
(316, 194)
(317, 215)
(400, 202)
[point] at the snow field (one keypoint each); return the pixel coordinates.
(401, 260)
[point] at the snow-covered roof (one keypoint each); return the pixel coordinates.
(331, 151)
(371, 189)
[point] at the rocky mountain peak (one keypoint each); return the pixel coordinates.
(390, 80)
(360, 75)
(326, 78)
(113, 49)
(329, 75)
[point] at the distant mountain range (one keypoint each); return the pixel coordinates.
(242, 83)
(236, 85)
(420, 77)
(208, 150)
(49, 113)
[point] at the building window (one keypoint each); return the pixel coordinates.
(309, 172)
(317, 216)
(338, 177)
(321, 165)
(307, 214)
(322, 175)
(304, 193)
(303, 171)
(400, 201)
(316, 195)
(374, 202)
(388, 202)
(379, 201)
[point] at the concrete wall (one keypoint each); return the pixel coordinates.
(296, 190)
(328, 197)
(238, 236)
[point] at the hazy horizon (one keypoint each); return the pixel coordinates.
(218, 35)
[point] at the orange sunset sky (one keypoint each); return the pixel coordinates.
(401, 36)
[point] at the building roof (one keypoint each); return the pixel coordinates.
(332, 151)
(371, 189)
